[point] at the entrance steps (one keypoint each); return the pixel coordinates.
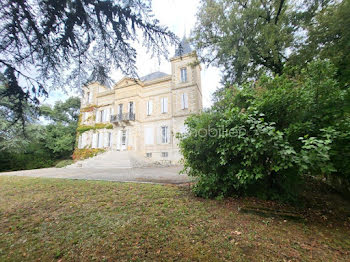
(110, 159)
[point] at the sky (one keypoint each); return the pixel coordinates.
(180, 17)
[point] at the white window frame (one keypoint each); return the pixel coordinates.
(120, 109)
(164, 134)
(164, 105)
(183, 72)
(149, 107)
(165, 154)
(184, 101)
(131, 107)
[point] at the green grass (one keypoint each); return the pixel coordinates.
(69, 220)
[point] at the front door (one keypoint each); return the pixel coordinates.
(123, 141)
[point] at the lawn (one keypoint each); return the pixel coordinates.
(70, 220)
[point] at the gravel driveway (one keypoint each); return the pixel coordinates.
(162, 175)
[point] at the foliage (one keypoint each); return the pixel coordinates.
(244, 154)
(28, 151)
(60, 43)
(329, 38)
(246, 38)
(39, 145)
(63, 112)
(277, 130)
(64, 163)
(83, 128)
(61, 132)
(88, 109)
(83, 153)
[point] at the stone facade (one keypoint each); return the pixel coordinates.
(145, 114)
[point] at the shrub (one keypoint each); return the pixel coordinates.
(64, 163)
(240, 153)
(83, 128)
(80, 154)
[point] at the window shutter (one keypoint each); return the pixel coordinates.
(83, 140)
(118, 139)
(110, 139)
(105, 139)
(162, 104)
(100, 140)
(149, 136)
(94, 140)
(96, 119)
(159, 135)
(185, 100)
(182, 101)
(108, 115)
(150, 107)
(165, 104)
(168, 134)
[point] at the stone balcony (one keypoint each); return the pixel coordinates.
(120, 118)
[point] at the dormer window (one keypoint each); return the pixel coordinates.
(184, 75)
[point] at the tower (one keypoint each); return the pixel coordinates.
(186, 77)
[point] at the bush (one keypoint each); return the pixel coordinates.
(80, 154)
(64, 163)
(240, 153)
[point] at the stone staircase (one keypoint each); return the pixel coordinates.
(110, 159)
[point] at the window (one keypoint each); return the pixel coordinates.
(149, 136)
(164, 105)
(165, 134)
(102, 114)
(183, 75)
(184, 101)
(89, 97)
(131, 107)
(148, 155)
(149, 107)
(164, 154)
(99, 140)
(97, 117)
(120, 109)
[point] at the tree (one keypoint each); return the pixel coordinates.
(329, 38)
(246, 38)
(40, 145)
(54, 43)
(60, 134)
(66, 112)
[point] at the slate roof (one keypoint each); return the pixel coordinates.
(153, 76)
(186, 48)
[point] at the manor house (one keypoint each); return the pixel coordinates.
(143, 115)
